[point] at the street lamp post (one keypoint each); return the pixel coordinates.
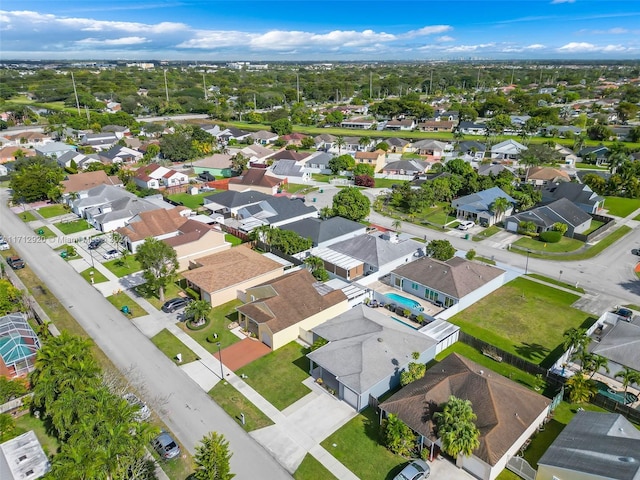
(220, 358)
(526, 267)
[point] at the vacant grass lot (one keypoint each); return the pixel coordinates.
(299, 188)
(524, 318)
(234, 403)
(53, 211)
(190, 201)
(121, 299)
(621, 207)
(169, 344)
(73, 227)
(387, 182)
(278, 375)
(565, 244)
(312, 469)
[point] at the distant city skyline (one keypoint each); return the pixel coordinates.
(301, 30)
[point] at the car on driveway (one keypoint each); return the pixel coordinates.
(416, 470)
(624, 313)
(635, 251)
(95, 243)
(166, 446)
(143, 412)
(466, 225)
(110, 254)
(175, 304)
(15, 262)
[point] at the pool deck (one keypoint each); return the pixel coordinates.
(616, 385)
(384, 288)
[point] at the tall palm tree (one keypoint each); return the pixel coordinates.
(340, 143)
(197, 311)
(499, 206)
(397, 225)
(456, 427)
(628, 376)
(575, 339)
(597, 363)
(364, 142)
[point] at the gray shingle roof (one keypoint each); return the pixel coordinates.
(375, 250)
(365, 347)
(277, 209)
(481, 201)
(287, 168)
(320, 231)
(409, 166)
(232, 199)
(571, 191)
(597, 445)
(621, 345)
(563, 211)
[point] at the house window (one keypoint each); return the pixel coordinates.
(397, 281)
(448, 302)
(414, 286)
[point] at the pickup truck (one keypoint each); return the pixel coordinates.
(15, 262)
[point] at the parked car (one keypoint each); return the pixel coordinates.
(143, 411)
(95, 243)
(624, 313)
(4, 245)
(110, 254)
(635, 251)
(174, 304)
(416, 470)
(466, 225)
(15, 262)
(166, 446)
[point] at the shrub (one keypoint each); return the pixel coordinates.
(364, 181)
(551, 236)
(471, 254)
(191, 324)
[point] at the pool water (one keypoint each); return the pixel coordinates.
(404, 323)
(619, 397)
(407, 302)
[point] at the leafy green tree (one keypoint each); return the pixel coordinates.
(341, 163)
(11, 298)
(177, 147)
(628, 377)
(560, 227)
(282, 126)
(316, 267)
(334, 118)
(350, 203)
(398, 437)
(326, 212)
(36, 178)
(596, 183)
(456, 427)
(414, 371)
(440, 250)
(471, 254)
(11, 388)
(307, 143)
(7, 426)
(599, 132)
(383, 146)
(458, 166)
(213, 458)
(159, 263)
(363, 169)
(239, 163)
(627, 111)
(581, 388)
(198, 311)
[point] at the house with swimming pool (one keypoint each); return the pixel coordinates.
(454, 284)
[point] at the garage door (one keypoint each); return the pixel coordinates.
(266, 339)
(350, 397)
(512, 226)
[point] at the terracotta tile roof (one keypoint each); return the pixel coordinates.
(256, 176)
(153, 223)
(547, 173)
(505, 409)
(8, 154)
(370, 155)
(231, 267)
(190, 231)
(84, 181)
(294, 298)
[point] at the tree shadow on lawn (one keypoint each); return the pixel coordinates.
(532, 351)
(302, 362)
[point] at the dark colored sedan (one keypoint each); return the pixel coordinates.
(95, 243)
(635, 251)
(174, 304)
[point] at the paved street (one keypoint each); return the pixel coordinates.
(187, 409)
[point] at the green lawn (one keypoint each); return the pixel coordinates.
(169, 344)
(220, 318)
(98, 277)
(565, 244)
(486, 233)
(387, 182)
(63, 248)
(278, 375)
(358, 447)
(299, 188)
(485, 260)
(27, 216)
(121, 299)
(53, 211)
(190, 201)
(589, 166)
(524, 318)
(120, 268)
(46, 232)
(171, 291)
(73, 227)
(312, 469)
(621, 207)
(232, 239)
(595, 224)
(234, 403)
(28, 422)
(559, 283)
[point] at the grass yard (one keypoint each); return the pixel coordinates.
(232, 239)
(220, 318)
(73, 227)
(387, 182)
(559, 283)
(171, 291)
(322, 177)
(589, 166)
(121, 299)
(65, 248)
(488, 261)
(190, 201)
(278, 375)
(27, 216)
(98, 277)
(358, 446)
(53, 211)
(299, 188)
(120, 268)
(595, 224)
(46, 232)
(169, 344)
(524, 318)
(621, 207)
(234, 403)
(486, 233)
(565, 244)
(312, 469)
(28, 422)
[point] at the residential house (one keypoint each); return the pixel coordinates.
(263, 137)
(472, 128)
(431, 148)
(224, 276)
(566, 154)
(113, 107)
(597, 155)
(479, 206)
(517, 124)
(418, 181)
(290, 155)
(326, 232)
(494, 169)
(54, 149)
(474, 150)
(405, 167)
(360, 123)
(581, 195)
(508, 150)
(540, 177)
(595, 446)
(507, 413)
(22, 458)
(10, 154)
(274, 211)
(195, 240)
(119, 154)
(397, 145)
(319, 162)
(286, 308)
(545, 216)
(79, 183)
(99, 141)
(324, 141)
(436, 126)
(19, 345)
(291, 171)
(156, 176)
(456, 281)
(257, 179)
(406, 124)
(28, 139)
(375, 159)
(118, 130)
(226, 204)
(79, 160)
(218, 165)
(368, 257)
(257, 154)
(562, 131)
(294, 138)
(366, 354)
(619, 343)
(447, 116)
(232, 133)
(4, 171)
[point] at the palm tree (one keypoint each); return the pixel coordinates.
(456, 427)
(325, 212)
(397, 226)
(597, 363)
(575, 339)
(628, 376)
(499, 206)
(364, 142)
(340, 143)
(197, 311)
(581, 388)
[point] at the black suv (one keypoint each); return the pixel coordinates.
(15, 262)
(95, 243)
(175, 304)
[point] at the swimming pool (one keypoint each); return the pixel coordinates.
(404, 323)
(618, 396)
(407, 302)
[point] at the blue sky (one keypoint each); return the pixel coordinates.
(313, 30)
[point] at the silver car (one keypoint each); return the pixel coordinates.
(166, 446)
(143, 412)
(416, 470)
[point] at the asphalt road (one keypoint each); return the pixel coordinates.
(186, 409)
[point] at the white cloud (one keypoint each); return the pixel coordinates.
(469, 48)
(535, 46)
(445, 38)
(585, 47)
(114, 41)
(428, 30)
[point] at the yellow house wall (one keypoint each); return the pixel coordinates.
(210, 243)
(242, 188)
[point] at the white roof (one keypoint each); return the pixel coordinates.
(338, 259)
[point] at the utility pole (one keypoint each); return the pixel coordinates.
(166, 86)
(204, 86)
(75, 92)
